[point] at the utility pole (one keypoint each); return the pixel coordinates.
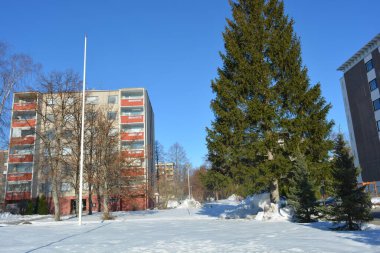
(82, 135)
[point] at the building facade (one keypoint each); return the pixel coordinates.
(3, 176)
(360, 89)
(133, 118)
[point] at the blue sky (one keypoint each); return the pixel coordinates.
(171, 48)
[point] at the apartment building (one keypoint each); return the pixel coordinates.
(133, 118)
(165, 171)
(360, 89)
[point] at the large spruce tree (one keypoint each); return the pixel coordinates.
(265, 108)
(353, 205)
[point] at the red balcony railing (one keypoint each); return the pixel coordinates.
(18, 195)
(22, 140)
(24, 107)
(24, 123)
(20, 177)
(133, 153)
(132, 119)
(132, 136)
(132, 172)
(132, 102)
(20, 158)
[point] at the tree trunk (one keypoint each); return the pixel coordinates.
(274, 191)
(216, 195)
(57, 209)
(106, 211)
(89, 199)
(98, 198)
(76, 203)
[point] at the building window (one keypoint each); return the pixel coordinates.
(373, 84)
(111, 115)
(369, 65)
(50, 101)
(378, 125)
(69, 118)
(92, 100)
(50, 117)
(112, 99)
(65, 187)
(66, 151)
(376, 104)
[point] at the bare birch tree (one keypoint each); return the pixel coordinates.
(14, 69)
(58, 94)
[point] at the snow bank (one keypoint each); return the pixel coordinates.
(234, 198)
(375, 200)
(172, 204)
(190, 203)
(259, 207)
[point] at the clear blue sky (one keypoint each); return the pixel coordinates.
(171, 48)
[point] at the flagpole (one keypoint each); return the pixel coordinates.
(82, 135)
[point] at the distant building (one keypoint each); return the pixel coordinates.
(3, 175)
(165, 171)
(134, 120)
(360, 89)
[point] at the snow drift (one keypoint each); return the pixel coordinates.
(259, 207)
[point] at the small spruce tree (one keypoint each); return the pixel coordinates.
(42, 206)
(301, 192)
(29, 208)
(354, 204)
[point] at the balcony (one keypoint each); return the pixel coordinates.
(24, 123)
(132, 119)
(18, 195)
(24, 106)
(20, 158)
(132, 172)
(132, 102)
(27, 140)
(132, 153)
(20, 177)
(132, 136)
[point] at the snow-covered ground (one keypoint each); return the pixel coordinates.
(182, 230)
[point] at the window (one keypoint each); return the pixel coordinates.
(50, 101)
(65, 187)
(66, 151)
(50, 134)
(369, 65)
(113, 131)
(90, 116)
(69, 117)
(112, 99)
(50, 117)
(111, 115)
(376, 104)
(27, 132)
(67, 134)
(373, 84)
(92, 100)
(378, 125)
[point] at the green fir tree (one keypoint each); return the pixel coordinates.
(354, 204)
(301, 192)
(42, 206)
(265, 106)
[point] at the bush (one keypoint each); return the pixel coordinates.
(29, 208)
(42, 206)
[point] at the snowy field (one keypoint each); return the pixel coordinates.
(180, 230)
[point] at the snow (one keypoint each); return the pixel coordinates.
(257, 207)
(190, 203)
(375, 200)
(188, 229)
(172, 204)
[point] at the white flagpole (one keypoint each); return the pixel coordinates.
(82, 134)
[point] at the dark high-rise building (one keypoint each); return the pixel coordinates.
(360, 89)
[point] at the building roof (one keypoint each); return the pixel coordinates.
(359, 55)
